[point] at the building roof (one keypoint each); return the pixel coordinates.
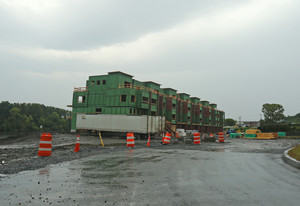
(115, 72)
(183, 94)
(169, 89)
(151, 83)
(195, 98)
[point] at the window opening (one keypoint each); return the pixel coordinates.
(132, 98)
(92, 83)
(99, 110)
(127, 84)
(81, 99)
(153, 101)
(104, 82)
(145, 100)
(98, 82)
(123, 98)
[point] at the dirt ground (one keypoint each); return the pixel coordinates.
(20, 154)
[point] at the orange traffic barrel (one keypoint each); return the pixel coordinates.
(167, 138)
(211, 135)
(77, 146)
(45, 148)
(130, 140)
(196, 138)
(221, 137)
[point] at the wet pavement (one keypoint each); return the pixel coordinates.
(218, 174)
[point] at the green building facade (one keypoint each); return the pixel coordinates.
(119, 93)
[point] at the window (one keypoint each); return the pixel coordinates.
(81, 99)
(189, 109)
(123, 98)
(130, 111)
(173, 117)
(104, 82)
(127, 84)
(145, 100)
(99, 110)
(153, 101)
(134, 111)
(132, 98)
(98, 82)
(92, 83)
(153, 113)
(173, 105)
(189, 119)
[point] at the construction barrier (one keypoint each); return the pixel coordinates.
(148, 143)
(77, 146)
(235, 135)
(163, 139)
(221, 137)
(177, 135)
(252, 131)
(267, 136)
(281, 134)
(130, 140)
(250, 136)
(197, 138)
(167, 138)
(45, 148)
(211, 135)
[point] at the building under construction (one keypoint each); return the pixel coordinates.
(117, 93)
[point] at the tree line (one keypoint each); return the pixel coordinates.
(20, 118)
(274, 119)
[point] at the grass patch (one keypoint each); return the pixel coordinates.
(295, 152)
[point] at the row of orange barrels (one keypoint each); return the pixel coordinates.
(45, 147)
(167, 138)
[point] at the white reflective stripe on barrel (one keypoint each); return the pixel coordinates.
(45, 149)
(45, 142)
(130, 137)
(196, 136)
(77, 138)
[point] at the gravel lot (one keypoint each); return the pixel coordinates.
(20, 154)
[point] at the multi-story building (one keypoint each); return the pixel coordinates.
(119, 93)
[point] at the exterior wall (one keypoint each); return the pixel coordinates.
(118, 93)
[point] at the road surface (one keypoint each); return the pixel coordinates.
(150, 176)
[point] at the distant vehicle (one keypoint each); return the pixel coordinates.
(231, 131)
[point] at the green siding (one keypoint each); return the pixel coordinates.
(104, 92)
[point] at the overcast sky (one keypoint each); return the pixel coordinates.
(238, 54)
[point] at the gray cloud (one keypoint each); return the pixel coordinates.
(238, 54)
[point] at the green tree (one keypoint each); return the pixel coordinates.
(18, 118)
(230, 122)
(272, 112)
(18, 122)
